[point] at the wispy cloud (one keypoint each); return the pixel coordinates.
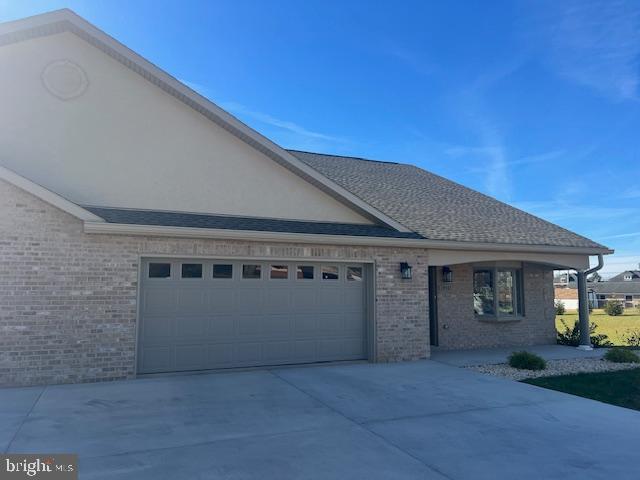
(559, 210)
(416, 61)
(614, 264)
(631, 193)
(477, 114)
(622, 235)
(594, 43)
(296, 135)
(197, 87)
(241, 110)
(541, 158)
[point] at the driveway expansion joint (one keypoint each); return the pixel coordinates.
(35, 402)
(363, 427)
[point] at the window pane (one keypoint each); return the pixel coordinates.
(251, 271)
(330, 273)
(222, 271)
(159, 270)
(191, 270)
(305, 272)
(354, 274)
(483, 292)
(506, 293)
(279, 272)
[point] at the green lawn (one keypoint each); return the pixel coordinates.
(620, 388)
(615, 327)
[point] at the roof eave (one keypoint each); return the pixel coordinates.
(211, 233)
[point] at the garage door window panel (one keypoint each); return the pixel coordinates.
(191, 270)
(251, 272)
(159, 270)
(305, 272)
(279, 272)
(354, 274)
(222, 271)
(330, 273)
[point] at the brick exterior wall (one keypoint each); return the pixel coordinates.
(460, 329)
(69, 300)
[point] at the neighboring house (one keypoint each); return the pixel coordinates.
(568, 296)
(565, 279)
(626, 292)
(143, 230)
(628, 276)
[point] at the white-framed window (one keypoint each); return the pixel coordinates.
(628, 277)
(498, 292)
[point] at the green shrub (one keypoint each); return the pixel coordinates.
(633, 338)
(527, 361)
(622, 355)
(614, 308)
(560, 310)
(571, 336)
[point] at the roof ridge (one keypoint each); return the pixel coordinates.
(343, 156)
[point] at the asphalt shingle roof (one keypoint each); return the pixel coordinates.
(437, 208)
(175, 219)
(628, 288)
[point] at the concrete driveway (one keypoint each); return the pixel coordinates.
(359, 421)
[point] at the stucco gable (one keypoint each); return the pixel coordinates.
(126, 142)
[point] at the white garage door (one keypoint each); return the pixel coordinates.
(207, 314)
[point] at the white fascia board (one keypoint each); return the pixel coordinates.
(223, 234)
(48, 196)
(66, 20)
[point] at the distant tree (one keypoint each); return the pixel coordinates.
(560, 309)
(595, 277)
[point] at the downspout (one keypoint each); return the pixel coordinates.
(583, 304)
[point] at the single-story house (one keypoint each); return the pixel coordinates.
(567, 296)
(625, 292)
(145, 230)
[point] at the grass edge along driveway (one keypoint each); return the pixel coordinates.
(621, 388)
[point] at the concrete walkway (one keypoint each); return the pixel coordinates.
(422, 420)
(492, 356)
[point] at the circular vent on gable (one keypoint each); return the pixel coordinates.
(64, 79)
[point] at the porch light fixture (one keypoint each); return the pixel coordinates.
(405, 271)
(447, 275)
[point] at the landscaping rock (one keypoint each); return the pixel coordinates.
(554, 368)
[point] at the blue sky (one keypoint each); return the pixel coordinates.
(535, 103)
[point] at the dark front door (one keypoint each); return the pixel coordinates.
(433, 305)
